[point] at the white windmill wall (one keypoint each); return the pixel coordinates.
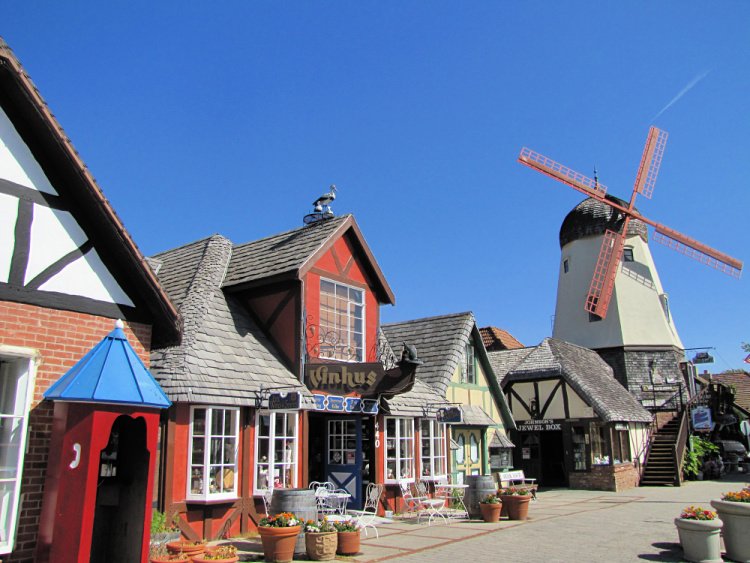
(636, 315)
(53, 233)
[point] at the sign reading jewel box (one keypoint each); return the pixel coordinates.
(539, 425)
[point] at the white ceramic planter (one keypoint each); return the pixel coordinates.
(700, 539)
(736, 518)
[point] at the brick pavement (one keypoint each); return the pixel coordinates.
(564, 526)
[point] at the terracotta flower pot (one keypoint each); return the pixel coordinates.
(348, 543)
(279, 543)
(491, 512)
(202, 559)
(700, 539)
(736, 531)
(517, 506)
(184, 559)
(188, 548)
(321, 546)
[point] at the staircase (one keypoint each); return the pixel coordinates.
(661, 466)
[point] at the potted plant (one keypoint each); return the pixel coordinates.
(158, 553)
(163, 528)
(515, 502)
(734, 511)
(321, 540)
(279, 536)
(699, 532)
(223, 553)
(490, 506)
(190, 548)
(348, 537)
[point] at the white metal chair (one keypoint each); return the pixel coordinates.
(430, 507)
(367, 517)
(412, 502)
(266, 496)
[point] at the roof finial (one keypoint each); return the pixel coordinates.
(119, 324)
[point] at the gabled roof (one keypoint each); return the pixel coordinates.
(440, 342)
(224, 358)
(740, 380)
(111, 373)
(582, 369)
(495, 338)
(57, 156)
(421, 401)
(291, 254)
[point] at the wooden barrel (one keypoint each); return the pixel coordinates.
(479, 487)
(299, 501)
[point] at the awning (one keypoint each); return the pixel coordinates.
(501, 441)
(455, 445)
(474, 415)
(111, 372)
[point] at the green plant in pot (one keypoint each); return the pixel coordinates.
(699, 532)
(321, 540)
(695, 455)
(279, 535)
(490, 507)
(734, 511)
(348, 537)
(163, 527)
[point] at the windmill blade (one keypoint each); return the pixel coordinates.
(645, 180)
(697, 250)
(605, 272)
(562, 173)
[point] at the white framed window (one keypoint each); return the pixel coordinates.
(399, 450)
(468, 369)
(342, 322)
(433, 449)
(214, 443)
(16, 391)
(275, 450)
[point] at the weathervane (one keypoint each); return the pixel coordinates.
(322, 207)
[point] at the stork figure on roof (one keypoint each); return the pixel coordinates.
(323, 203)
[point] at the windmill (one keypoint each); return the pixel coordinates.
(605, 271)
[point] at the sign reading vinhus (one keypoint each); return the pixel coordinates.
(364, 380)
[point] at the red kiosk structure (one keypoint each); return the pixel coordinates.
(102, 458)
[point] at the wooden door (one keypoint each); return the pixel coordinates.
(467, 459)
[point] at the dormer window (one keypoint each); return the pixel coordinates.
(342, 322)
(468, 370)
(627, 254)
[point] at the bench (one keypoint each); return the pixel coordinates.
(516, 478)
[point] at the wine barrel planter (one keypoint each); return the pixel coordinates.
(479, 487)
(299, 501)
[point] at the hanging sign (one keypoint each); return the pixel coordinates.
(544, 425)
(450, 415)
(284, 401)
(701, 418)
(344, 379)
(336, 403)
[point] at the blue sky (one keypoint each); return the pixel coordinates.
(233, 117)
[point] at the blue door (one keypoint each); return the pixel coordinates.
(344, 456)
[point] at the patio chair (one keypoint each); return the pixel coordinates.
(367, 517)
(411, 501)
(430, 507)
(266, 496)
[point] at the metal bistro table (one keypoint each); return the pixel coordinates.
(338, 501)
(454, 492)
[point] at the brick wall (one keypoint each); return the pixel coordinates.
(60, 338)
(620, 477)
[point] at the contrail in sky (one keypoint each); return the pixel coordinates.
(682, 92)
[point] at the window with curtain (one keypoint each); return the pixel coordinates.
(399, 451)
(599, 445)
(468, 368)
(621, 446)
(342, 321)
(275, 450)
(433, 448)
(214, 442)
(15, 391)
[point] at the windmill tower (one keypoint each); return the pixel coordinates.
(609, 296)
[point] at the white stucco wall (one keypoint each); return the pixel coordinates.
(17, 164)
(635, 316)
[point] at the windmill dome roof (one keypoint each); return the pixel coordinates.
(591, 218)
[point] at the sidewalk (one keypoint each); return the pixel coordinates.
(563, 525)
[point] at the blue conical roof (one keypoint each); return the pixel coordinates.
(111, 372)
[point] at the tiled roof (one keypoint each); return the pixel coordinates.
(279, 254)
(440, 343)
(583, 370)
(500, 440)
(421, 401)
(223, 358)
(740, 380)
(495, 338)
(502, 361)
(474, 415)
